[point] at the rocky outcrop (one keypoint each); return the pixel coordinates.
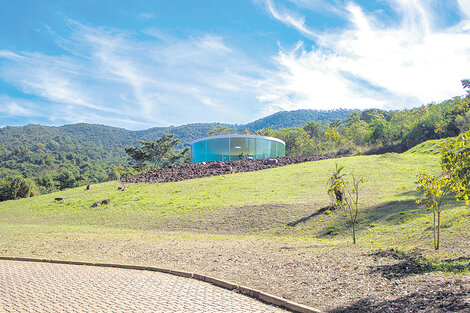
(206, 169)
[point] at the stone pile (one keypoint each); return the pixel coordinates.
(214, 168)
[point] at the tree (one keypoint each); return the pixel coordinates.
(455, 161)
(435, 191)
(17, 187)
(221, 130)
(336, 184)
(466, 85)
(351, 203)
(314, 129)
(138, 155)
(66, 179)
(160, 152)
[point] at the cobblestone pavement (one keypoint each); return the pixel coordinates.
(45, 287)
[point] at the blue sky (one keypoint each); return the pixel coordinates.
(141, 64)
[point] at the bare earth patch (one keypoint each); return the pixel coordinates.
(325, 276)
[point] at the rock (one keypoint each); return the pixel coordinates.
(88, 187)
(59, 199)
(216, 165)
(106, 201)
(123, 187)
(96, 204)
(206, 169)
(272, 162)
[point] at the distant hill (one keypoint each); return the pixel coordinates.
(90, 151)
(297, 118)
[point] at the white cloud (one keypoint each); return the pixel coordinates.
(290, 18)
(371, 65)
(117, 77)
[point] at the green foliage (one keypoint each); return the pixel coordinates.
(466, 85)
(221, 130)
(435, 190)
(297, 118)
(158, 153)
(351, 202)
(17, 187)
(455, 160)
(66, 179)
(336, 184)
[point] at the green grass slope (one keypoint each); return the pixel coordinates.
(257, 202)
(275, 204)
(431, 147)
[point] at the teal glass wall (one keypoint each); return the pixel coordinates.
(236, 147)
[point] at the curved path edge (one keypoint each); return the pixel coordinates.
(256, 294)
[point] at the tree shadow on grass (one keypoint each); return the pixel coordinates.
(306, 218)
(413, 263)
(445, 297)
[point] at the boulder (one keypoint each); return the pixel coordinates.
(216, 165)
(272, 161)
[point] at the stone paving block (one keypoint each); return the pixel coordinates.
(51, 287)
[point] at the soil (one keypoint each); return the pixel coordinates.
(214, 168)
(327, 277)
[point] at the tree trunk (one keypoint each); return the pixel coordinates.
(438, 227)
(434, 227)
(354, 233)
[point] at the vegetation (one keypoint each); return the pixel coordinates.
(158, 153)
(336, 185)
(435, 191)
(377, 131)
(455, 160)
(221, 130)
(351, 203)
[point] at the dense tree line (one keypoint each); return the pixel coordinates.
(377, 131)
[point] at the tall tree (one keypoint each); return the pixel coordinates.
(157, 153)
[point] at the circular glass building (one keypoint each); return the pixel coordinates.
(236, 147)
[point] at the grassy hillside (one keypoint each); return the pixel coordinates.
(262, 202)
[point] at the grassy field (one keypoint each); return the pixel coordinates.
(210, 224)
(256, 203)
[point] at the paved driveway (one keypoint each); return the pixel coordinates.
(45, 287)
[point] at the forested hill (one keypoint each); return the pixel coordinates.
(61, 157)
(297, 118)
(115, 137)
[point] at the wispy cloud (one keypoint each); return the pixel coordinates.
(369, 64)
(290, 18)
(129, 80)
(146, 16)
